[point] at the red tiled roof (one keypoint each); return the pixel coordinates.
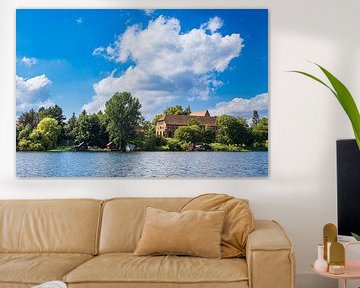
(183, 120)
(200, 113)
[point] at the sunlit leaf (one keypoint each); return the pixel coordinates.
(357, 237)
(344, 97)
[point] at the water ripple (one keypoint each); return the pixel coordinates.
(142, 164)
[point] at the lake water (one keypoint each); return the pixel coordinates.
(142, 164)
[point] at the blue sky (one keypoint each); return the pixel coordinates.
(208, 59)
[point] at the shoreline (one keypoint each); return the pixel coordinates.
(118, 151)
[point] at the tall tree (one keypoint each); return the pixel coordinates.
(55, 112)
(255, 118)
(69, 129)
(103, 133)
(88, 129)
(187, 110)
(28, 119)
(123, 113)
(177, 110)
(232, 130)
(260, 131)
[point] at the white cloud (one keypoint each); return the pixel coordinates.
(213, 24)
(167, 64)
(29, 61)
(149, 12)
(79, 20)
(241, 106)
(32, 93)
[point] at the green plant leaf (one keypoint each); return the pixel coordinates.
(356, 236)
(344, 97)
(347, 101)
(316, 79)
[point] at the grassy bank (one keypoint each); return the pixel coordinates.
(213, 147)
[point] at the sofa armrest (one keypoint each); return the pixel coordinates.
(269, 256)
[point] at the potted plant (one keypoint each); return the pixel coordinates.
(345, 99)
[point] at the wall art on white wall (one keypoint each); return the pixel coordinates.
(142, 93)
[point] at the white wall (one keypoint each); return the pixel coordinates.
(305, 120)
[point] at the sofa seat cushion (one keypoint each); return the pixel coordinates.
(36, 268)
(127, 268)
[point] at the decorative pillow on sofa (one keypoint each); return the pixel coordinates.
(196, 233)
(239, 220)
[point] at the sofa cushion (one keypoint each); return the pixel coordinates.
(126, 268)
(36, 268)
(194, 232)
(239, 220)
(123, 220)
(15, 285)
(62, 226)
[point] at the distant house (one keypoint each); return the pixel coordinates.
(81, 147)
(167, 124)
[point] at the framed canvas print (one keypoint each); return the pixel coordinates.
(142, 93)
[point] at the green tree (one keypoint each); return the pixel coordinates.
(55, 112)
(189, 134)
(232, 130)
(174, 144)
(255, 118)
(69, 130)
(24, 133)
(177, 110)
(153, 142)
(208, 135)
(28, 119)
(260, 131)
(187, 110)
(46, 133)
(88, 129)
(123, 113)
(103, 133)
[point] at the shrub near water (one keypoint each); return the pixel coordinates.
(175, 145)
(28, 145)
(43, 137)
(226, 148)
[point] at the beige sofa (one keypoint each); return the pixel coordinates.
(89, 243)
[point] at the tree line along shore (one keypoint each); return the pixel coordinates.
(121, 124)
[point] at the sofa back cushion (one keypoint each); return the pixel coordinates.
(66, 226)
(123, 220)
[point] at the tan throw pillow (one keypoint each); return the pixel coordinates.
(239, 220)
(196, 233)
